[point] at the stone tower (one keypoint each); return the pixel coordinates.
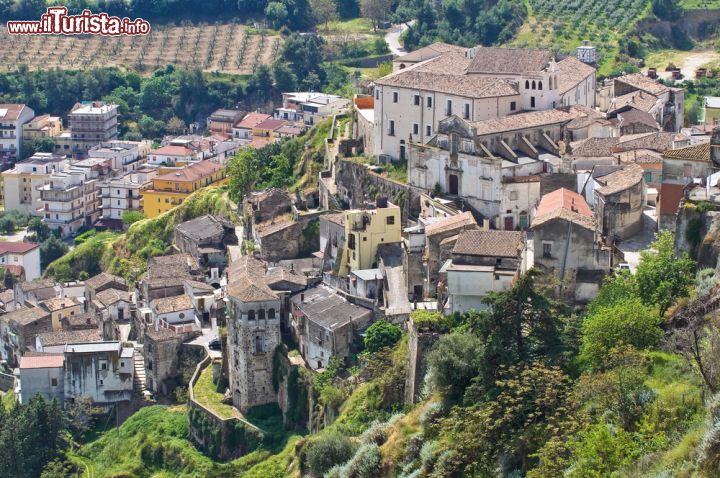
(253, 326)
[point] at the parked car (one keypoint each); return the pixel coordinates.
(214, 344)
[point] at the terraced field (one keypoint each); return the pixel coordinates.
(228, 48)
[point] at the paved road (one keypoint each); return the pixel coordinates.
(392, 38)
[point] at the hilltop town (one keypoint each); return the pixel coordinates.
(485, 261)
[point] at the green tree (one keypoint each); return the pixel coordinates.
(243, 172)
(131, 217)
(381, 334)
(38, 145)
(52, 249)
(8, 279)
(7, 225)
(600, 450)
(661, 277)
(327, 450)
(38, 229)
(324, 11)
(666, 9)
(276, 13)
(376, 10)
(455, 361)
(627, 322)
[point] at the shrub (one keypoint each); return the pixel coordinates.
(366, 463)
(328, 450)
(376, 433)
(381, 334)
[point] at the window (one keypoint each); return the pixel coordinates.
(258, 344)
(377, 94)
(390, 220)
(251, 315)
(271, 313)
(351, 242)
(648, 177)
(181, 315)
(532, 102)
(428, 130)
(416, 128)
(466, 114)
(391, 129)
(534, 85)
(416, 100)
(396, 96)
(429, 101)
(364, 238)
(261, 314)
(527, 85)
(513, 106)
(103, 365)
(53, 382)
(122, 364)
(547, 250)
(539, 85)
(448, 109)
(101, 383)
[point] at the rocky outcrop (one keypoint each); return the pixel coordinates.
(698, 232)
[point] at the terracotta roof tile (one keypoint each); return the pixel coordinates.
(564, 204)
(102, 279)
(431, 51)
(64, 337)
(450, 223)
(11, 111)
(512, 61)
(642, 82)
(193, 172)
(572, 72)
(698, 152)
(172, 304)
(490, 243)
(518, 121)
(111, 296)
(620, 180)
(17, 247)
(42, 361)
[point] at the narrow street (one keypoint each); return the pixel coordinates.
(392, 37)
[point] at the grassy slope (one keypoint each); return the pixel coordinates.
(127, 254)
(131, 450)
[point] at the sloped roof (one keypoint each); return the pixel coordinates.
(593, 147)
(620, 180)
(17, 247)
(532, 119)
(698, 152)
(643, 83)
(637, 99)
(193, 172)
(11, 111)
(172, 304)
(572, 72)
(564, 204)
(657, 141)
(64, 337)
(512, 61)
(27, 315)
(36, 284)
(171, 150)
(201, 227)
(636, 116)
(102, 279)
(490, 243)
(59, 303)
(110, 296)
(450, 223)
(431, 51)
(247, 290)
(42, 361)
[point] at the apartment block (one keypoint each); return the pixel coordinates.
(12, 119)
(125, 156)
(124, 194)
(70, 200)
(21, 184)
(92, 123)
(44, 126)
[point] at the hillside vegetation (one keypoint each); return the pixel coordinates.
(126, 254)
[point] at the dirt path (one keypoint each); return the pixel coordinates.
(691, 62)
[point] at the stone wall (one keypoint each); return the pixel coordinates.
(221, 438)
(704, 247)
(699, 24)
(355, 181)
(419, 344)
(290, 241)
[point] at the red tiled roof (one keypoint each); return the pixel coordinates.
(251, 120)
(171, 150)
(271, 124)
(42, 361)
(563, 199)
(193, 172)
(453, 222)
(17, 247)
(13, 111)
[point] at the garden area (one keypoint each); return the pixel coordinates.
(206, 394)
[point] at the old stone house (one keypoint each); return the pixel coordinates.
(205, 238)
(20, 328)
(32, 292)
(619, 203)
(102, 371)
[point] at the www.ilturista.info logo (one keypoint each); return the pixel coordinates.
(57, 22)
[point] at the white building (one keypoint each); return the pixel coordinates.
(176, 313)
(125, 156)
(21, 258)
(21, 184)
(40, 374)
(70, 201)
(482, 262)
(92, 123)
(242, 130)
(171, 155)
(102, 371)
(478, 84)
(123, 194)
(12, 119)
(310, 107)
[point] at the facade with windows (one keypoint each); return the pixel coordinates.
(477, 84)
(21, 185)
(92, 123)
(124, 194)
(12, 119)
(102, 371)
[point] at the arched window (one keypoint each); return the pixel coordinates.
(258, 344)
(527, 85)
(555, 82)
(251, 315)
(261, 314)
(533, 85)
(539, 85)
(271, 313)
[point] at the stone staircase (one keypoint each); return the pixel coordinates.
(139, 379)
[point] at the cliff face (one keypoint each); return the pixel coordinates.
(698, 233)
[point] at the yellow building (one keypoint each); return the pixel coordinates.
(61, 307)
(712, 110)
(44, 126)
(171, 188)
(365, 230)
